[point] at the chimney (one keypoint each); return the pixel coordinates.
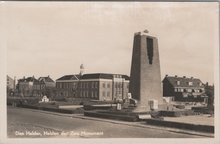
(166, 75)
(184, 76)
(191, 77)
(207, 83)
(175, 75)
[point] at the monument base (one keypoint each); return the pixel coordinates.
(123, 115)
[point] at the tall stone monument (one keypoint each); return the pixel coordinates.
(145, 77)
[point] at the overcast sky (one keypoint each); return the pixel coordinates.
(48, 38)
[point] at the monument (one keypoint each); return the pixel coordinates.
(145, 77)
(145, 83)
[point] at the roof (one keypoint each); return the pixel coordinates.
(184, 81)
(97, 76)
(28, 79)
(70, 77)
(126, 77)
(46, 79)
(102, 76)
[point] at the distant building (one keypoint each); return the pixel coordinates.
(97, 86)
(43, 86)
(31, 86)
(10, 83)
(25, 86)
(67, 85)
(104, 87)
(10, 86)
(183, 89)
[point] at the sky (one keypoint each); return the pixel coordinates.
(55, 38)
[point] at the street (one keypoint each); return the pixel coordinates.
(32, 123)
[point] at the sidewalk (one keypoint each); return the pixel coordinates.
(135, 124)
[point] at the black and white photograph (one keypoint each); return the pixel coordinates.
(119, 70)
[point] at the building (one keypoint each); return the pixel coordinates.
(31, 86)
(67, 85)
(97, 86)
(10, 83)
(103, 87)
(10, 86)
(43, 86)
(25, 86)
(183, 88)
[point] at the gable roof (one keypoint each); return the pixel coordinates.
(28, 79)
(69, 77)
(46, 79)
(184, 81)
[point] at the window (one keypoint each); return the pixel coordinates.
(92, 94)
(108, 85)
(175, 89)
(95, 94)
(96, 84)
(87, 94)
(103, 94)
(108, 94)
(103, 85)
(190, 83)
(189, 90)
(178, 82)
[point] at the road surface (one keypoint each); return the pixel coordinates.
(32, 123)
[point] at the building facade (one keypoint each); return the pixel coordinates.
(183, 88)
(103, 87)
(44, 86)
(10, 86)
(67, 85)
(96, 86)
(31, 86)
(25, 86)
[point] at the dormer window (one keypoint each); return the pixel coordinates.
(178, 82)
(190, 83)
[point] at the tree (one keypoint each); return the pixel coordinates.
(209, 91)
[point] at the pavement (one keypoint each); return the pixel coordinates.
(205, 119)
(131, 124)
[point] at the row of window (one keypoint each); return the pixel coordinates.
(104, 85)
(87, 94)
(188, 83)
(89, 84)
(187, 90)
(66, 85)
(104, 94)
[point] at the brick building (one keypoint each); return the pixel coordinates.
(67, 85)
(43, 86)
(25, 86)
(97, 86)
(183, 88)
(31, 86)
(104, 87)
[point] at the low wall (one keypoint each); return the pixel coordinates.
(66, 111)
(110, 115)
(187, 126)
